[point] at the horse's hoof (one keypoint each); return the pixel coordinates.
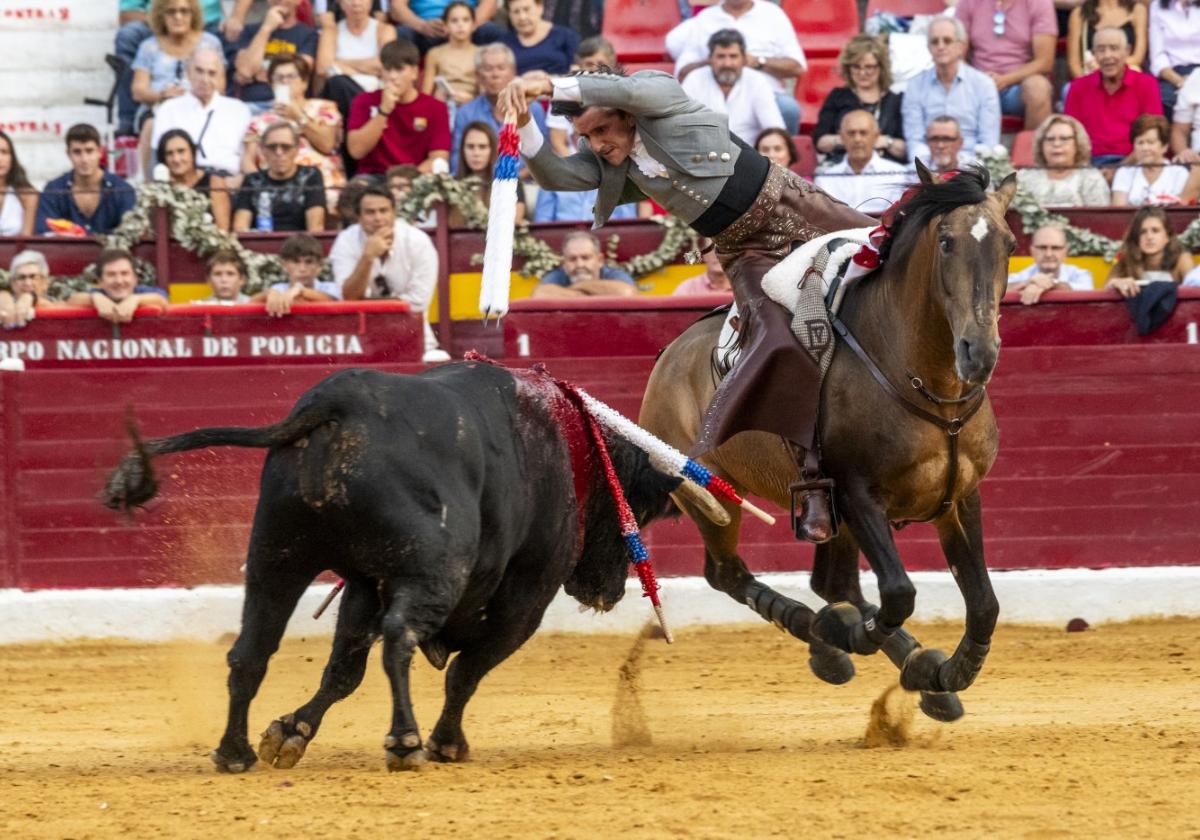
(920, 670)
(834, 623)
(941, 705)
(831, 665)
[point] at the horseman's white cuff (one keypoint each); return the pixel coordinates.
(566, 89)
(531, 138)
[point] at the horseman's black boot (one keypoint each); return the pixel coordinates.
(816, 520)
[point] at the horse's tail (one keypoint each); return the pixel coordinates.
(133, 483)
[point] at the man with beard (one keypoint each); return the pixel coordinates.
(727, 86)
(583, 272)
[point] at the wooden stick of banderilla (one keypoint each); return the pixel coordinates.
(333, 593)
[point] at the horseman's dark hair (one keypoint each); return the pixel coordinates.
(969, 186)
(571, 110)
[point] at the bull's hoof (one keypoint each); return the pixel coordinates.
(404, 753)
(834, 623)
(920, 670)
(830, 664)
(233, 760)
(283, 744)
(447, 753)
(941, 705)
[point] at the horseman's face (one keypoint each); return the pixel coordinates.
(609, 133)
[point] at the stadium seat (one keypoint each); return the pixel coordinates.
(1011, 124)
(1022, 148)
(906, 8)
(823, 26)
(638, 28)
(820, 78)
(806, 156)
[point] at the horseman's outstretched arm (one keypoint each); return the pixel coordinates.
(647, 93)
(575, 173)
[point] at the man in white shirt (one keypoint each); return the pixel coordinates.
(727, 86)
(864, 179)
(385, 257)
(771, 47)
(1050, 269)
(216, 123)
(1185, 126)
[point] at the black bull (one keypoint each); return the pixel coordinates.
(448, 503)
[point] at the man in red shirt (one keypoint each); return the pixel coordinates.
(398, 124)
(1108, 100)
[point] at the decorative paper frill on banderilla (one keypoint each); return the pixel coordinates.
(502, 220)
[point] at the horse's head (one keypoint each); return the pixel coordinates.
(970, 246)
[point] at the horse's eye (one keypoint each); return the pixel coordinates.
(946, 244)
(1012, 246)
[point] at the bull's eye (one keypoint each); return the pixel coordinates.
(946, 244)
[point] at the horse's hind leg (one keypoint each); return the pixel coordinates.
(961, 533)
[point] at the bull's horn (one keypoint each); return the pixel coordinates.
(702, 500)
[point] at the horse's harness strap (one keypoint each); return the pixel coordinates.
(952, 427)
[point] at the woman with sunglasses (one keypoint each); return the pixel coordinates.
(864, 65)
(177, 151)
(158, 67)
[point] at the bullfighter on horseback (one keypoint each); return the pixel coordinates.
(643, 137)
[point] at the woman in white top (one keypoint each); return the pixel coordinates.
(348, 53)
(1152, 180)
(18, 199)
(1063, 175)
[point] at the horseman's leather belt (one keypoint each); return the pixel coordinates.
(739, 193)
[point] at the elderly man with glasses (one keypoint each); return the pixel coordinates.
(28, 281)
(945, 141)
(950, 88)
(285, 195)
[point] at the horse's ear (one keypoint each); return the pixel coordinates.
(923, 173)
(1008, 189)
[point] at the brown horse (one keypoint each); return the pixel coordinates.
(907, 435)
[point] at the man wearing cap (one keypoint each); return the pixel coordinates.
(643, 137)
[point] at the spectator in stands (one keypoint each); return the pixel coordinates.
(953, 88)
(1152, 180)
(134, 28)
(118, 294)
(1187, 122)
(864, 65)
(87, 197)
(864, 179)
(727, 86)
(945, 140)
(1050, 269)
(495, 67)
(280, 33)
(776, 145)
(477, 160)
(285, 195)
(450, 68)
(1174, 46)
(28, 284)
(348, 52)
(158, 66)
(1013, 42)
(714, 280)
(177, 153)
(1063, 176)
(226, 276)
(215, 122)
(582, 16)
(771, 46)
(537, 43)
(398, 123)
(1150, 251)
(1090, 17)
(420, 21)
(400, 180)
(381, 256)
(583, 272)
(317, 120)
(1107, 101)
(348, 200)
(302, 260)
(593, 54)
(18, 198)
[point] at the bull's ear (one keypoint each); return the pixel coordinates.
(923, 172)
(1006, 191)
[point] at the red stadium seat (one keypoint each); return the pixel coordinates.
(823, 26)
(1010, 124)
(906, 8)
(806, 156)
(638, 28)
(820, 78)
(1022, 148)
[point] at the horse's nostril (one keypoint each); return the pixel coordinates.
(964, 347)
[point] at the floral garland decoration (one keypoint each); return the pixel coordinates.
(1080, 241)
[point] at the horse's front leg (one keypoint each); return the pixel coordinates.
(961, 533)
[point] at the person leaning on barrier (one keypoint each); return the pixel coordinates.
(226, 275)
(1050, 269)
(118, 294)
(583, 272)
(1150, 251)
(28, 282)
(302, 259)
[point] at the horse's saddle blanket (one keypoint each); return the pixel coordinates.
(805, 283)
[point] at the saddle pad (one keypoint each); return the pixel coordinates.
(783, 282)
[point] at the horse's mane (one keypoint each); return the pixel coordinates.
(929, 201)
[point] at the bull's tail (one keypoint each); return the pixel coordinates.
(133, 483)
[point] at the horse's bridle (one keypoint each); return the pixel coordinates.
(972, 400)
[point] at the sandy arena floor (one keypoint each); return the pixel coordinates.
(1066, 735)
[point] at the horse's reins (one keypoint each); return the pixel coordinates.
(973, 399)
